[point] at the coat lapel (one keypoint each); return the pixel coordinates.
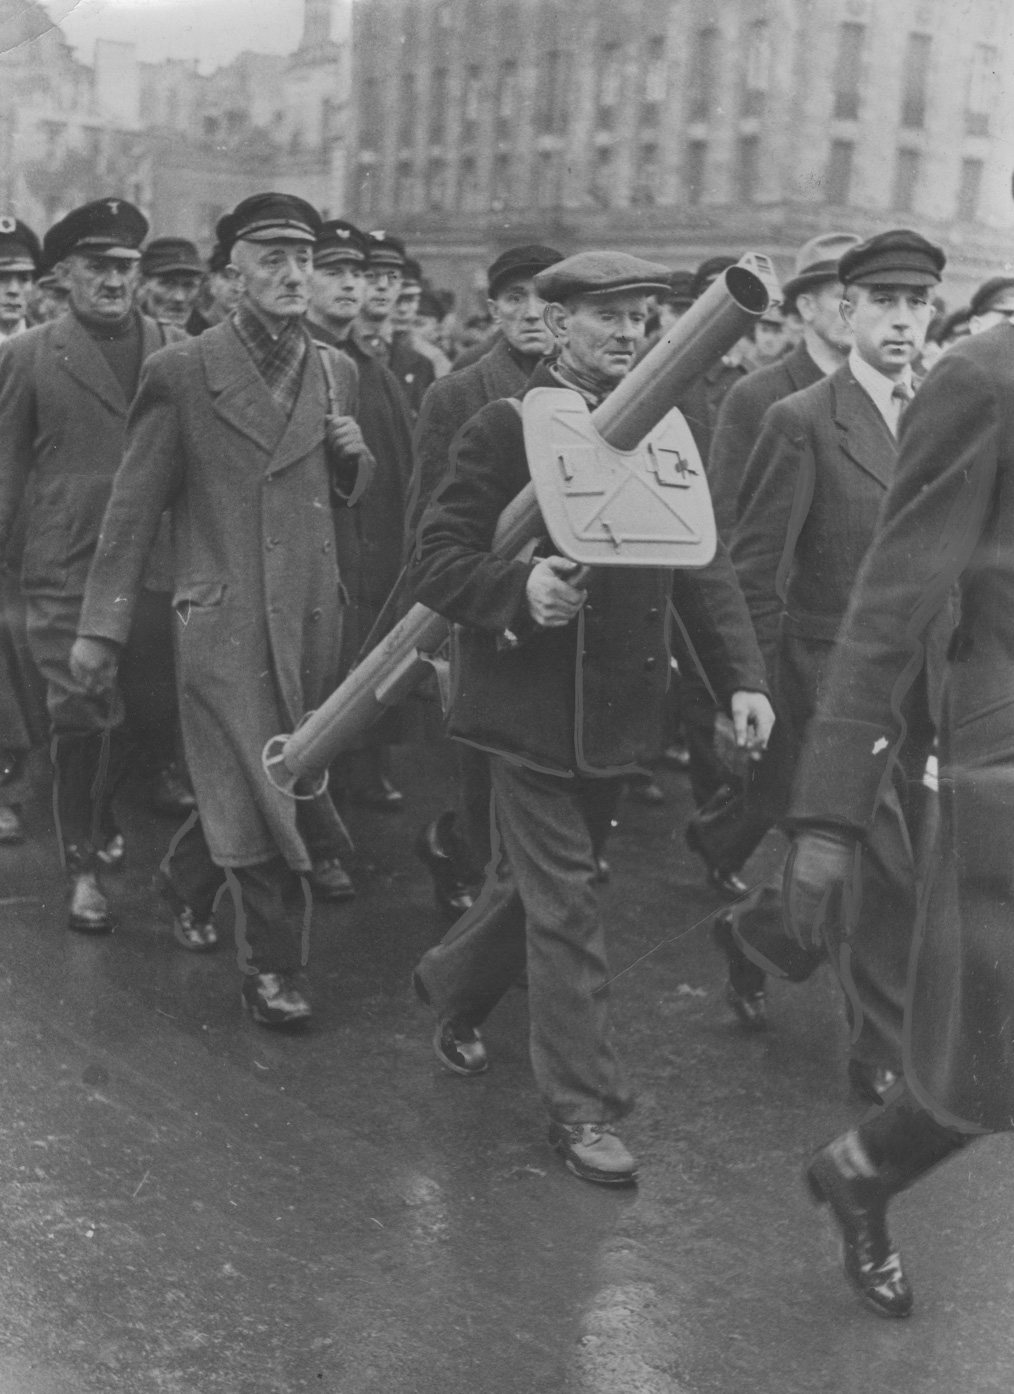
(801, 369)
(863, 434)
(305, 430)
(501, 376)
(239, 393)
(82, 358)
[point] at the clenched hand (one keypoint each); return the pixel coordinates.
(552, 601)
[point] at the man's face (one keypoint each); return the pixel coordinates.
(600, 334)
(820, 310)
(383, 285)
(275, 276)
(769, 340)
(101, 287)
(520, 312)
(1001, 310)
(889, 323)
(406, 307)
(226, 291)
(172, 296)
(337, 291)
(428, 328)
(15, 288)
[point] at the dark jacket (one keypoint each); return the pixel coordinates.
(448, 406)
(739, 423)
(948, 518)
(586, 698)
(414, 371)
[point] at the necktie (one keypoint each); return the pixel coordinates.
(901, 395)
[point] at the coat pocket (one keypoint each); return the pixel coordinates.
(197, 595)
(977, 779)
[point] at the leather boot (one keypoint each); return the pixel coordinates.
(88, 911)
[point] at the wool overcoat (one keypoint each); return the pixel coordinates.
(256, 584)
(948, 518)
(585, 698)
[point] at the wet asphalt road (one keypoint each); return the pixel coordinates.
(194, 1205)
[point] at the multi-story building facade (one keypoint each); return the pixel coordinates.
(679, 128)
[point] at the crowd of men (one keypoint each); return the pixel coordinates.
(221, 483)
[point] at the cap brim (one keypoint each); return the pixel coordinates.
(806, 281)
(339, 256)
(17, 264)
(902, 276)
(643, 287)
(103, 249)
(277, 234)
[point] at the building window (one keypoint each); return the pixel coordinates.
(506, 99)
(913, 100)
(438, 106)
(848, 71)
(406, 111)
(501, 182)
(603, 180)
(404, 187)
(969, 189)
(747, 169)
(552, 93)
(697, 159)
(366, 183)
(468, 185)
(983, 88)
(703, 73)
(838, 180)
(547, 190)
(758, 68)
(645, 191)
(656, 82)
(471, 105)
(610, 82)
(373, 126)
(906, 178)
(436, 184)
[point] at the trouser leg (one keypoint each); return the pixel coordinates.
(599, 799)
(904, 1141)
(759, 929)
(148, 680)
(472, 813)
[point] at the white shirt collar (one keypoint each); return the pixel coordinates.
(880, 387)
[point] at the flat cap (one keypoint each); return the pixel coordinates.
(817, 261)
(518, 263)
(708, 271)
(164, 255)
(681, 288)
(983, 298)
(597, 273)
(340, 241)
(900, 257)
(269, 218)
(20, 249)
(385, 250)
(109, 226)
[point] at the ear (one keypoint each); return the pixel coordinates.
(556, 318)
(847, 308)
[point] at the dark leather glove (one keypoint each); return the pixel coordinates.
(819, 866)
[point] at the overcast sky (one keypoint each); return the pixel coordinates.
(212, 31)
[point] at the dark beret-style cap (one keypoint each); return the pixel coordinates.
(817, 262)
(20, 249)
(109, 226)
(708, 271)
(269, 218)
(681, 288)
(430, 305)
(340, 241)
(518, 263)
(385, 250)
(164, 255)
(900, 257)
(597, 273)
(982, 300)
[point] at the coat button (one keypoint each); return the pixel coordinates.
(650, 663)
(316, 614)
(653, 613)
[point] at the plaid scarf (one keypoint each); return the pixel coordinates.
(278, 360)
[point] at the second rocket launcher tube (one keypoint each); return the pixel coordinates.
(398, 664)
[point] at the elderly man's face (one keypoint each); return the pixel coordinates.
(101, 287)
(600, 334)
(172, 296)
(520, 312)
(275, 276)
(15, 289)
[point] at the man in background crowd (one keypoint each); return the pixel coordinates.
(375, 332)
(171, 275)
(219, 295)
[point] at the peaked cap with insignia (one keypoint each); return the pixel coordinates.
(340, 241)
(19, 247)
(109, 226)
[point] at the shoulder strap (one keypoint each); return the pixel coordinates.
(332, 386)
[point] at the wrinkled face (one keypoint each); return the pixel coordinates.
(600, 334)
(769, 340)
(889, 323)
(1001, 311)
(520, 312)
(383, 285)
(226, 291)
(101, 287)
(406, 308)
(172, 296)
(15, 289)
(275, 276)
(820, 310)
(337, 290)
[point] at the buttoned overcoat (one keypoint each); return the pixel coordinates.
(256, 584)
(585, 698)
(948, 517)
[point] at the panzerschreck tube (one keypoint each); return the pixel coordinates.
(400, 661)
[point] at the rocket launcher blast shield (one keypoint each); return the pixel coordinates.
(401, 661)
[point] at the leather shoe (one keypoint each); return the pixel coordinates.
(272, 999)
(11, 831)
(88, 912)
(644, 789)
(192, 933)
(330, 880)
(744, 990)
(728, 885)
(870, 1082)
(593, 1152)
(114, 852)
(459, 1048)
(170, 790)
(381, 794)
(452, 893)
(858, 1204)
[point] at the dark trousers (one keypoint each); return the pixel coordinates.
(540, 906)
(904, 1141)
(272, 903)
(147, 678)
